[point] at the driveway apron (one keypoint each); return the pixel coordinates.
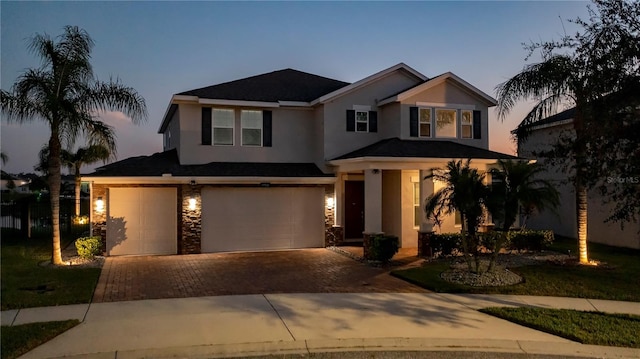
(197, 275)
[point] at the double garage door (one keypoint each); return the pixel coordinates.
(144, 221)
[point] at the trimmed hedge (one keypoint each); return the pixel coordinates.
(88, 247)
(446, 244)
(383, 248)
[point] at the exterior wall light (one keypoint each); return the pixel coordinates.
(99, 205)
(192, 204)
(330, 202)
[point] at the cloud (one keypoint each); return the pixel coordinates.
(114, 118)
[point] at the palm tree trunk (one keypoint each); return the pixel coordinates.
(581, 215)
(54, 193)
(78, 179)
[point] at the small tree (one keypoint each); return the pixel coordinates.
(518, 184)
(65, 95)
(465, 192)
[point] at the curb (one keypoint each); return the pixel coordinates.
(307, 347)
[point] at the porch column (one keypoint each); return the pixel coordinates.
(426, 190)
(426, 226)
(339, 201)
(372, 201)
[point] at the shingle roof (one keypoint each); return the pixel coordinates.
(282, 85)
(562, 116)
(395, 147)
(167, 162)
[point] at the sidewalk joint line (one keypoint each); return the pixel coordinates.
(521, 348)
(15, 317)
(282, 320)
(592, 305)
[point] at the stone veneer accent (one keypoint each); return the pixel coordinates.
(99, 219)
(424, 244)
(366, 243)
(191, 235)
(334, 236)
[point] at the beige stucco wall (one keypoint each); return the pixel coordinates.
(174, 129)
(450, 95)
(397, 206)
(294, 139)
(564, 223)
(390, 120)
(337, 141)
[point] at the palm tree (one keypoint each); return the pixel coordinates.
(64, 93)
(464, 192)
(83, 156)
(559, 80)
(4, 158)
(517, 185)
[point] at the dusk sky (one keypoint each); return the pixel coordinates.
(162, 48)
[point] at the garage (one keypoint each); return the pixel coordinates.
(264, 218)
(142, 221)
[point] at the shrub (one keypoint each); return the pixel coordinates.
(444, 244)
(530, 240)
(383, 248)
(88, 247)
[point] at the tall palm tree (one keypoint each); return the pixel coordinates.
(84, 156)
(464, 191)
(64, 93)
(559, 80)
(517, 185)
(4, 158)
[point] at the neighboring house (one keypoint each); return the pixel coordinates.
(15, 184)
(287, 158)
(544, 134)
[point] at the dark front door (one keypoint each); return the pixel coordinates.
(353, 209)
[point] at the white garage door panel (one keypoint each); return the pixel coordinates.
(142, 221)
(235, 219)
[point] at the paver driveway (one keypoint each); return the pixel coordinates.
(295, 271)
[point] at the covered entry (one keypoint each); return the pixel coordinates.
(257, 218)
(142, 221)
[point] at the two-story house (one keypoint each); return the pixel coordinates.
(284, 159)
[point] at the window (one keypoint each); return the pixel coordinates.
(467, 124)
(223, 120)
(446, 123)
(362, 121)
(167, 139)
(457, 219)
(251, 128)
(425, 122)
(417, 212)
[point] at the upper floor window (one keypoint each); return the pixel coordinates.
(223, 121)
(251, 128)
(466, 126)
(446, 123)
(362, 121)
(425, 122)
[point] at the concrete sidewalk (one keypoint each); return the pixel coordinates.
(307, 323)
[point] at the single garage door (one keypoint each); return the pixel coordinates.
(142, 221)
(246, 219)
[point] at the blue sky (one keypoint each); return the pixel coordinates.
(161, 48)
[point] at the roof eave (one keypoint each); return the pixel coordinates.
(168, 179)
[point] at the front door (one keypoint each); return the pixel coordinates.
(354, 209)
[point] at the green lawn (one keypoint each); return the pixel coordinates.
(597, 328)
(27, 284)
(19, 339)
(618, 280)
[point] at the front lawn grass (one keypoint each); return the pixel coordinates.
(618, 280)
(26, 284)
(597, 328)
(19, 339)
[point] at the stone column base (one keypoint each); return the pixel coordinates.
(424, 244)
(366, 243)
(333, 236)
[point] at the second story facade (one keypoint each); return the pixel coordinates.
(289, 116)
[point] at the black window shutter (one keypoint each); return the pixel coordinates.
(477, 124)
(373, 121)
(351, 120)
(206, 125)
(413, 121)
(266, 128)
